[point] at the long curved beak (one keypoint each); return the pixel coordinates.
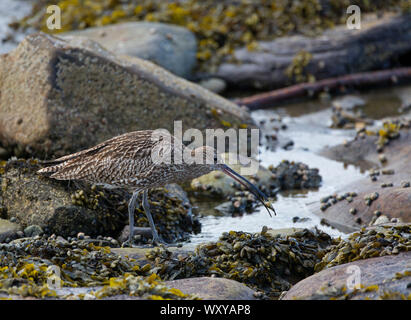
(253, 189)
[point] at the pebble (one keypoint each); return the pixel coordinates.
(405, 184)
(33, 231)
(377, 213)
(381, 220)
(386, 185)
(80, 236)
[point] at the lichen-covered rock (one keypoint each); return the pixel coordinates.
(59, 96)
(172, 47)
(33, 230)
(67, 208)
(385, 277)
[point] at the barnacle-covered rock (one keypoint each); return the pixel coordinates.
(67, 208)
(367, 243)
(267, 263)
(295, 175)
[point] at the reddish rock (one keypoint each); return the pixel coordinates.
(383, 277)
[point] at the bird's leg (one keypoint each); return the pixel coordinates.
(146, 207)
(131, 209)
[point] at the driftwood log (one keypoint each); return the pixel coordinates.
(357, 80)
(381, 43)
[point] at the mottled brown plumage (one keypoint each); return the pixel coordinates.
(134, 161)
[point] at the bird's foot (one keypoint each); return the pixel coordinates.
(129, 244)
(159, 242)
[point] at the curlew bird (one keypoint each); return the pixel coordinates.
(136, 161)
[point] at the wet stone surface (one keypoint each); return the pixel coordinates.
(383, 190)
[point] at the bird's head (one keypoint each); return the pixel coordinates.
(214, 161)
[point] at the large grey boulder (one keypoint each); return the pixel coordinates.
(172, 47)
(58, 97)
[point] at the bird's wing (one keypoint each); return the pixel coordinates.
(122, 157)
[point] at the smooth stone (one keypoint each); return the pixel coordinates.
(206, 288)
(33, 230)
(348, 102)
(8, 229)
(209, 288)
(283, 232)
(215, 85)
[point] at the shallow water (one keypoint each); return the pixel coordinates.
(308, 126)
(11, 10)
